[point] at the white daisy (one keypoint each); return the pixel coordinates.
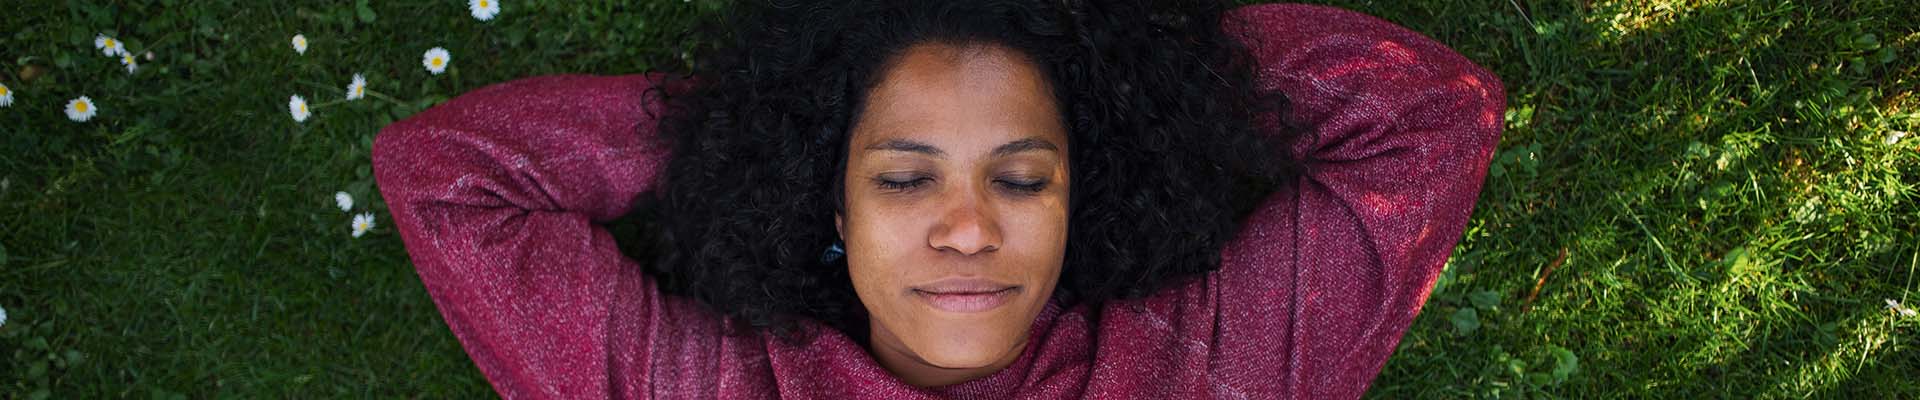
(298, 107)
(436, 60)
(127, 60)
(358, 88)
(81, 109)
(362, 223)
(300, 43)
(1895, 136)
(483, 9)
(1901, 309)
(344, 200)
(6, 95)
(108, 45)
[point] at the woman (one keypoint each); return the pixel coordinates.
(908, 199)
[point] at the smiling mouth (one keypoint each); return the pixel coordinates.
(967, 301)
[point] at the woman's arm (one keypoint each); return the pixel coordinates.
(1396, 133)
(496, 194)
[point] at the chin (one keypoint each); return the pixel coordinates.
(970, 358)
(970, 345)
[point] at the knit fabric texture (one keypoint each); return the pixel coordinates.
(498, 195)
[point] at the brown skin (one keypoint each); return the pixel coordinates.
(956, 168)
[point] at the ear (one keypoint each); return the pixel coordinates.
(839, 223)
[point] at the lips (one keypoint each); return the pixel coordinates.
(965, 295)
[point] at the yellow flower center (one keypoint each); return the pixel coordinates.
(110, 43)
(483, 3)
(81, 106)
(3, 90)
(438, 61)
(303, 108)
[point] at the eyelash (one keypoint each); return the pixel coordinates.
(1034, 187)
(901, 185)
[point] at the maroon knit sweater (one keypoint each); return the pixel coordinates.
(497, 194)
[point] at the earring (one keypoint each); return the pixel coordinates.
(833, 253)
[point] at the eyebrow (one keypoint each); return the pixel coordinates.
(910, 146)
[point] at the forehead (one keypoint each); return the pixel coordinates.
(960, 96)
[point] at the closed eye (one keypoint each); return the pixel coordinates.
(901, 185)
(1034, 186)
(907, 184)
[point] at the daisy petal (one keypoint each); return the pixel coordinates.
(436, 60)
(81, 109)
(344, 200)
(298, 107)
(358, 88)
(300, 43)
(484, 10)
(362, 223)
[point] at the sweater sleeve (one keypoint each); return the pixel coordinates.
(496, 195)
(1395, 133)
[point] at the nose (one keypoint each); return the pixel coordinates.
(967, 227)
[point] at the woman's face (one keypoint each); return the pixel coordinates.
(956, 210)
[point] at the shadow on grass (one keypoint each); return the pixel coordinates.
(1718, 200)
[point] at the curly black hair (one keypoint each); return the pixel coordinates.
(1159, 101)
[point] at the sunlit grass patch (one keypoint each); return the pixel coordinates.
(1714, 199)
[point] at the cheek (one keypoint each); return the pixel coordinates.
(1047, 253)
(880, 244)
(1048, 224)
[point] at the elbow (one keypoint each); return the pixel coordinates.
(398, 152)
(1487, 101)
(1482, 106)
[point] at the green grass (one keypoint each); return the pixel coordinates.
(1715, 173)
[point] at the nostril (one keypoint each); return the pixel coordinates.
(967, 229)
